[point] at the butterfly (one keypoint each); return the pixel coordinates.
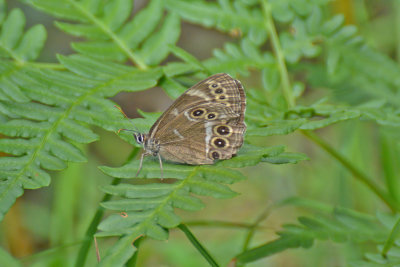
(205, 124)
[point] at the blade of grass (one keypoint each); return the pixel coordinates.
(254, 226)
(270, 26)
(362, 177)
(392, 237)
(197, 245)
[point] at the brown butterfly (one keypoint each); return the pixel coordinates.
(205, 124)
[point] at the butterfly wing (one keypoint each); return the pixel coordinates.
(204, 124)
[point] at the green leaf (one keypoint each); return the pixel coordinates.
(100, 50)
(61, 9)
(276, 127)
(155, 49)
(328, 225)
(12, 29)
(119, 253)
(32, 43)
(211, 14)
(12, 91)
(272, 248)
(117, 12)
(209, 188)
(81, 30)
(185, 56)
(143, 24)
(285, 158)
(9, 192)
(172, 88)
(251, 155)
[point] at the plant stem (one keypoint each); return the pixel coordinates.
(197, 245)
(392, 204)
(269, 24)
(221, 224)
(392, 237)
(254, 226)
(83, 251)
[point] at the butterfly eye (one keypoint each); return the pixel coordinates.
(222, 97)
(219, 91)
(139, 138)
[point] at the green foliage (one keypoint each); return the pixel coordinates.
(334, 223)
(289, 49)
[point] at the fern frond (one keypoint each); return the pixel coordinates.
(16, 44)
(46, 132)
(17, 47)
(336, 224)
(111, 34)
(149, 208)
(223, 16)
(239, 58)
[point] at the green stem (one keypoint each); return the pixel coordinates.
(392, 237)
(254, 226)
(221, 224)
(270, 25)
(197, 245)
(362, 177)
(83, 251)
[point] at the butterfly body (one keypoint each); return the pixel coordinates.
(206, 123)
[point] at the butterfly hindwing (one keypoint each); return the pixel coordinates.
(204, 124)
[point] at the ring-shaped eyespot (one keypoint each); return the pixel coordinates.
(219, 142)
(211, 116)
(217, 90)
(197, 113)
(214, 86)
(222, 97)
(223, 130)
(215, 154)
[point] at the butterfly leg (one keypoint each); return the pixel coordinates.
(141, 163)
(161, 167)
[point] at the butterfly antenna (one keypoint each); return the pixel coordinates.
(128, 130)
(123, 113)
